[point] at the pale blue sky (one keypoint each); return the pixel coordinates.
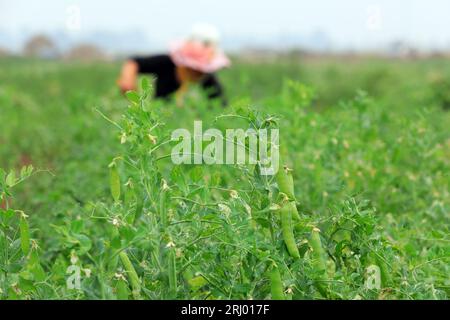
(351, 23)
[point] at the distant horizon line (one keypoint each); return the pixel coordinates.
(120, 42)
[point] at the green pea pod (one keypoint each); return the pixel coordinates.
(276, 286)
(2, 246)
(172, 268)
(162, 203)
(286, 213)
(162, 208)
(114, 180)
(319, 261)
(130, 198)
(197, 282)
(115, 245)
(244, 278)
(35, 267)
(132, 275)
(188, 274)
(386, 277)
(285, 182)
(129, 194)
(139, 209)
(24, 234)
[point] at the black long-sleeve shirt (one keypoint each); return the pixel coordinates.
(167, 83)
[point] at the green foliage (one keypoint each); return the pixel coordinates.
(366, 168)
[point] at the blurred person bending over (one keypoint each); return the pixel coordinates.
(191, 61)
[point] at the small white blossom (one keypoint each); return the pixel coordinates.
(164, 184)
(129, 183)
(224, 208)
(152, 138)
(87, 272)
(234, 194)
(123, 138)
(119, 276)
(182, 204)
(171, 244)
(115, 222)
(274, 207)
(248, 208)
(73, 258)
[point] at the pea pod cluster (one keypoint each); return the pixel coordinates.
(131, 273)
(319, 262)
(276, 286)
(288, 211)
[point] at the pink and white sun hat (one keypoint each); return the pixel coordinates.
(200, 51)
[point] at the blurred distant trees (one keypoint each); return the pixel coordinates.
(85, 52)
(40, 46)
(4, 52)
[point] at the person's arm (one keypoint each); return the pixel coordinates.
(136, 65)
(128, 76)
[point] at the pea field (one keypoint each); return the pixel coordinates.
(92, 207)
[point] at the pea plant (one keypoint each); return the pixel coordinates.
(21, 273)
(210, 232)
(196, 231)
(357, 210)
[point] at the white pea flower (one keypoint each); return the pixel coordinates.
(87, 272)
(274, 207)
(73, 259)
(119, 276)
(224, 208)
(152, 138)
(234, 194)
(123, 138)
(248, 208)
(171, 244)
(164, 186)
